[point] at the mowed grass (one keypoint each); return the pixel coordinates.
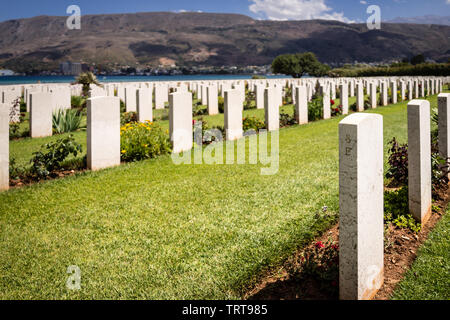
(154, 230)
(429, 277)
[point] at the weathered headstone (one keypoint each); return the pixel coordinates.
(361, 229)
(444, 125)
(41, 109)
(419, 160)
(103, 132)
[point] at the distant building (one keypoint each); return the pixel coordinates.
(5, 72)
(71, 68)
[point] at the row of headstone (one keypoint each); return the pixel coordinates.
(361, 189)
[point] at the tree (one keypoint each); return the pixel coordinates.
(419, 59)
(86, 79)
(297, 65)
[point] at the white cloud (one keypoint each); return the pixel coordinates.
(365, 2)
(295, 10)
(448, 2)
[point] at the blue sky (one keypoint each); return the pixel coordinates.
(344, 10)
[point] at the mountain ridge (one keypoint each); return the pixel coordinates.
(214, 39)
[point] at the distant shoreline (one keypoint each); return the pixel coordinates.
(14, 80)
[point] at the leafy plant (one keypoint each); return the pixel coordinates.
(287, 120)
(336, 111)
(86, 79)
(199, 110)
(396, 210)
(141, 141)
(398, 163)
(250, 97)
(128, 117)
(15, 172)
(66, 120)
(398, 166)
(51, 155)
(321, 262)
(252, 123)
(78, 102)
(315, 108)
(221, 101)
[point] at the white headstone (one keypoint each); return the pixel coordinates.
(180, 121)
(361, 229)
(4, 147)
(419, 160)
(103, 132)
(41, 112)
(233, 114)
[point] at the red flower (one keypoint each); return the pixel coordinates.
(332, 102)
(335, 247)
(320, 245)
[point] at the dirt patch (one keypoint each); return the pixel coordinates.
(401, 247)
(28, 181)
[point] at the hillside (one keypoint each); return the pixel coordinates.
(209, 39)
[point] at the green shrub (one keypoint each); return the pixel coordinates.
(398, 163)
(252, 123)
(398, 166)
(15, 131)
(51, 156)
(426, 69)
(396, 210)
(128, 117)
(315, 108)
(15, 172)
(287, 120)
(66, 120)
(199, 110)
(23, 105)
(123, 106)
(78, 102)
(250, 99)
(141, 141)
(221, 104)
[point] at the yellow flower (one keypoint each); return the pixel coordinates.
(124, 151)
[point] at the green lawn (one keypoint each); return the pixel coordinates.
(429, 277)
(153, 230)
